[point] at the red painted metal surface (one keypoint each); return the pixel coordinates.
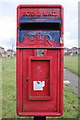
(39, 62)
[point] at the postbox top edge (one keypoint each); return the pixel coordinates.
(39, 6)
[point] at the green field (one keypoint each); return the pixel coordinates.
(0, 88)
(72, 63)
(71, 107)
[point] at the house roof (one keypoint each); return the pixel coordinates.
(1, 47)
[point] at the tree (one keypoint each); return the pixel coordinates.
(11, 44)
(10, 47)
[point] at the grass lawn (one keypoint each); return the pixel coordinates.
(0, 88)
(71, 107)
(72, 63)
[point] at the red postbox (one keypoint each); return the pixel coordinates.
(39, 47)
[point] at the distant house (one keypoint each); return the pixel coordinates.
(78, 50)
(65, 50)
(2, 51)
(72, 51)
(69, 52)
(10, 53)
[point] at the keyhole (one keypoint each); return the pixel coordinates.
(27, 79)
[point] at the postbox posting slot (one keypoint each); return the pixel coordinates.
(40, 26)
(40, 86)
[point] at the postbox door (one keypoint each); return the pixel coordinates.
(39, 81)
(40, 78)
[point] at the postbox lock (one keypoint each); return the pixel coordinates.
(27, 79)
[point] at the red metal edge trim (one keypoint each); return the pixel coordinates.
(39, 114)
(40, 5)
(41, 47)
(19, 80)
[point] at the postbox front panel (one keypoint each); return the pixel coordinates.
(39, 61)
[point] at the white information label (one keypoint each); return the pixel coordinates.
(38, 85)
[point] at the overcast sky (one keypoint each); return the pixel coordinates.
(8, 20)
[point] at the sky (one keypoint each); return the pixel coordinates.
(8, 20)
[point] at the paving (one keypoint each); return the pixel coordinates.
(72, 81)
